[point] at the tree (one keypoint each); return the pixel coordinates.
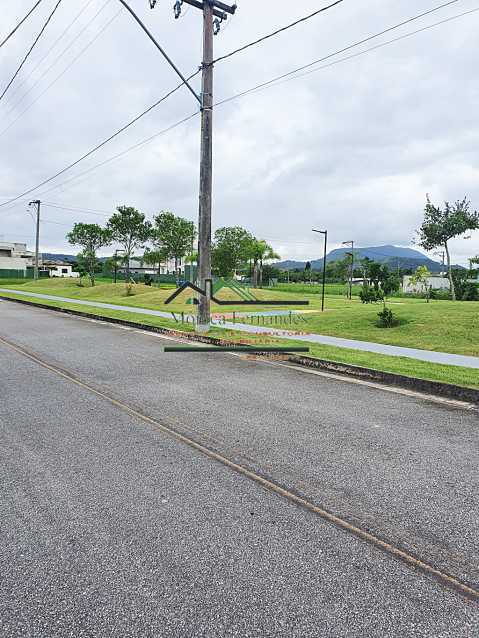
(173, 235)
(128, 228)
(421, 278)
(231, 250)
(155, 258)
(91, 237)
(440, 226)
(260, 252)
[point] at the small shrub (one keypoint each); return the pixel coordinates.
(386, 318)
(369, 294)
(471, 292)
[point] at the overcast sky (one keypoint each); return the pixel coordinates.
(353, 148)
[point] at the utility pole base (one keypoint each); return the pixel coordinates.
(203, 328)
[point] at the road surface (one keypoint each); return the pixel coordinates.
(113, 525)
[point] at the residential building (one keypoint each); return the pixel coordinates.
(15, 256)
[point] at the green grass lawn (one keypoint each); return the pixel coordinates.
(399, 365)
(439, 325)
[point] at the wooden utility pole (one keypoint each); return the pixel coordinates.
(206, 172)
(214, 12)
(37, 238)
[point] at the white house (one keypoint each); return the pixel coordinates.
(59, 269)
(433, 283)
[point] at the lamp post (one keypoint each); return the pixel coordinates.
(325, 233)
(351, 243)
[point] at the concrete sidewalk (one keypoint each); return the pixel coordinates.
(366, 346)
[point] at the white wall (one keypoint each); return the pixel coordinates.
(12, 263)
(436, 283)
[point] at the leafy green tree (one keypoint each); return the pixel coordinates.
(91, 237)
(421, 278)
(442, 225)
(231, 250)
(129, 228)
(155, 258)
(340, 269)
(173, 235)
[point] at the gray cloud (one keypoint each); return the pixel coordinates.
(353, 147)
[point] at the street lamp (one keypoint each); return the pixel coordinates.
(351, 243)
(325, 233)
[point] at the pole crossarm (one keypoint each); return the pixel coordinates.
(220, 12)
(162, 51)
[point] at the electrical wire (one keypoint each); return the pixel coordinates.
(265, 85)
(5, 40)
(293, 24)
(58, 77)
(100, 145)
(60, 37)
(278, 31)
(89, 211)
(231, 98)
(31, 48)
(280, 79)
(124, 152)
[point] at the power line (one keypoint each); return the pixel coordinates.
(251, 44)
(60, 37)
(276, 80)
(238, 95)
(98, 146)
(278, 31)
(161, 50)
(89, 211)
(20, 24)
(126, 151)
(75, 59)
(31, 49)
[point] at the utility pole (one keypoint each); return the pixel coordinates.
(325, 233)
(350, 243)
(206, 173)
(214, 13)
(37, 238)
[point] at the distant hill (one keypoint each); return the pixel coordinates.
(59, 257)
(392, 256)
(64, 257)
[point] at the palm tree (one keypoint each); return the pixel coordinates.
(261, 252)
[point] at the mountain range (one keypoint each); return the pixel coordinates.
(392, 256)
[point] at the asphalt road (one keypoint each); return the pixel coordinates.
(111, 528)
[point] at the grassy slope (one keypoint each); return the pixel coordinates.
(400, 365)
(440, 325)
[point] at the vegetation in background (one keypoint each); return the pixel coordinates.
(231, 250)
(91, 237)
(442, 225)
(421, 278)
(129, 228)
(173, 237)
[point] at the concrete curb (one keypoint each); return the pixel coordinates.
(435, 388)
